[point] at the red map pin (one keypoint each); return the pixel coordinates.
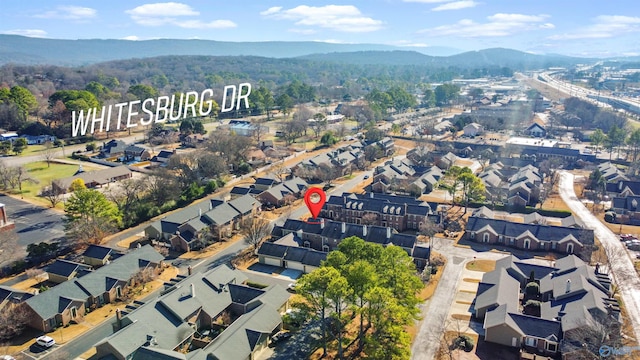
(315, 198)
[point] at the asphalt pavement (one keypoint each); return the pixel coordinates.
(624, 273)
(34, 223)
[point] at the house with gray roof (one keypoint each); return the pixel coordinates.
(211, 315)
(69, 301)
(64, 270)
(183, 228)
(96, 255)
(290, 256)
(93, 179)
(277, 195)
(326, 235)
(9, 296)
(531, 237)
(571, 294)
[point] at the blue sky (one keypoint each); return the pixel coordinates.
(581, 28)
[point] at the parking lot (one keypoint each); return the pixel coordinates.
(34, 224)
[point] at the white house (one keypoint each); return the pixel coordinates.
(473, 129)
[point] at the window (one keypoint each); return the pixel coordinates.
(325, 248)
(307, 244)
(500, 238)
(552, 347)
(531, 341)
(74, 312)
(485, 237)
(570, 249)
(118, 292)
(553, 245)
(527, 243)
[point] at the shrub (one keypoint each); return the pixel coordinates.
(463, 342)
(532, 288)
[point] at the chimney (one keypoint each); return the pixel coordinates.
(344, 227)
(322, 223)
(364, 230)
(139, 246)
(210, 205)
(193, 290)
(568, 289)
(119, 318)
(388, 233)
(371, 195)
(189, 270)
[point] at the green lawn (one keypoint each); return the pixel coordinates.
(43, 175)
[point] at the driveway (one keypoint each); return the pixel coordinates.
(34, 223)
(624, 273)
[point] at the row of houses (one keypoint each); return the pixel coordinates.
(401, 213)
(124, 152)
(69, 301)
(533, 235)
(326, 235)
(185, 229)
(209, 315)
(572, 296)
(31, 139)
(516, 187)
(403, 175)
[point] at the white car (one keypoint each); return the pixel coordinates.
(45, 341)
(7, 357)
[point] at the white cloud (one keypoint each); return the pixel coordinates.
(345, 18)
(333, 41)
(131, 38)
(271, 10)
(197, 24)
(168, 9)
(426, 1)
(26, 32)
(68, 13)
(173, 13)
(604, 26)
(456, 5)
(498, 25)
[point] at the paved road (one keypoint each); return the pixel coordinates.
(623, 270)
(434, 312)
(34, 223)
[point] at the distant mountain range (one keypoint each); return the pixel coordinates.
(26, 50)
(496, 57)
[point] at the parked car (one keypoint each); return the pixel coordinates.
(292, 287)
(45, 341)
(7, 357)
(279, 337)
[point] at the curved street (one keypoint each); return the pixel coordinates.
(624, 273)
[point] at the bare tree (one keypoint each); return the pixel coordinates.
(587, 337)
(37, 274)
(254, 229)
(13, 320)
(52, 193)
(369, 219)
(279, 171)
(49, 153)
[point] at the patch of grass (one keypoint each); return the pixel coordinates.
(42, 176)
(32, 150)
(430, 287)
(481, 265)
